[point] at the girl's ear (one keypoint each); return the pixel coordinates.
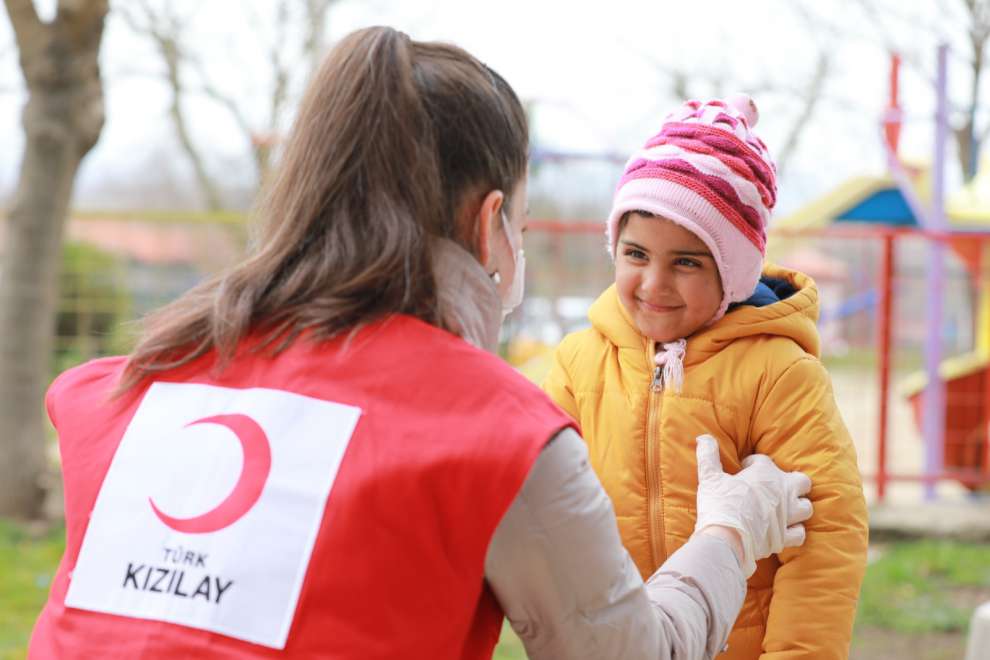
(487, 222)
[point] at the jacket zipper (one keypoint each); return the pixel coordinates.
(653, 491)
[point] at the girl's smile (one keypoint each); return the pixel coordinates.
(658, 309)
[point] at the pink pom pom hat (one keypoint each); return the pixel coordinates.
(708, 172)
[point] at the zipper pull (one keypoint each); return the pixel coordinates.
(657, 384)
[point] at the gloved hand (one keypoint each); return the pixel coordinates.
(761, 502)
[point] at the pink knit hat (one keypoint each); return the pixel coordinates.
(708, 172)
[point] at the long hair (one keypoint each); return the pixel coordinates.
(393, 137)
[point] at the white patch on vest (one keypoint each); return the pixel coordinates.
(243, 580)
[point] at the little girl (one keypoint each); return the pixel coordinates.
(691, 340)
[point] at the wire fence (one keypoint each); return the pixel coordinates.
(874, 319)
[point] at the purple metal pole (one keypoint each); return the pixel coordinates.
(933, 402)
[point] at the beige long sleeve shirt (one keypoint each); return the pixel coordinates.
(556, 563)
(570, 590)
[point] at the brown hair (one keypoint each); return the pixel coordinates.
(393, 138)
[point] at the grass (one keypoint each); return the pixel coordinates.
(920, 591)
(29, 564)
(927, 586)
(509, 647)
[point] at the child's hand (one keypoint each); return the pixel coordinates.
(762, 503)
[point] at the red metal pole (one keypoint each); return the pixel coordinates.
(893, 115)
(883, 361)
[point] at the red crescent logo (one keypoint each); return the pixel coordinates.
(247, 490)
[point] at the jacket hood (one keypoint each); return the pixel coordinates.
(794, 317)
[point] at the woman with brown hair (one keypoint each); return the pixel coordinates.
(315, 455)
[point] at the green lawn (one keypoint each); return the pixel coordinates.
(916, 601)
(28, 564)
(925, 587)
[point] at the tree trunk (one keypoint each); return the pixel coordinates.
(62, 120)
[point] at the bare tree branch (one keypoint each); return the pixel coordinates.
(683, 84)
(186, 73)
(262, 145)
(879, 22)
(29, 31)
(881, 15)
(967, 142)
(163, 29)
(211, 91)
(811, 98)
(966, 22)
(139, 24)
(315, 40)
(82, 17)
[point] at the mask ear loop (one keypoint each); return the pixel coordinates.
(496, 276)
(508, 234)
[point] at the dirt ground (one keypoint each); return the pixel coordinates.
(874, 644)
(856, 392)
(878, 644)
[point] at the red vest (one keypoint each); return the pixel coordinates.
(445, 439)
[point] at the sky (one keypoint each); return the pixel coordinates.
(594, 73)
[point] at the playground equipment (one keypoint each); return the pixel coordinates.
(951, 398)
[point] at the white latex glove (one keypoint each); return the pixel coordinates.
(761, 502)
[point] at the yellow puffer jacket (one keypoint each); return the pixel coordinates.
(753, 380)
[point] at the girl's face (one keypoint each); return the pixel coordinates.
(666, 278)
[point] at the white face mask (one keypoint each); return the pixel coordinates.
(515, 295)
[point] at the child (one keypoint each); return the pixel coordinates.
(690, 340)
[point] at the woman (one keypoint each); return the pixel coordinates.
(309, 456)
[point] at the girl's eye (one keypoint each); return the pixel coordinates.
(690, 263)
(635, 254)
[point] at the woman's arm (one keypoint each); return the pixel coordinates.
(570, 590)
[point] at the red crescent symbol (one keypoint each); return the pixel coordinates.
(247, 490)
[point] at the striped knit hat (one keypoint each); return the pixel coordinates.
(708, 172)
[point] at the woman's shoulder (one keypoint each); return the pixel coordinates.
(442, 351)
(98, 377)
(99, 369)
